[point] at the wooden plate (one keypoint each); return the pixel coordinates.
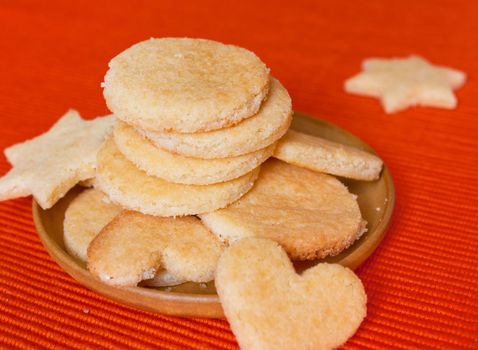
(190, 299)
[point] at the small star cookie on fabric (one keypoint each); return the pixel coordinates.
(49, 165)
(403, 82)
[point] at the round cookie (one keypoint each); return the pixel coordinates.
(179, 169)
(132, 188)
(86, 215)
(252, 134)
(185, 85)
(133, 246)
(312, 215)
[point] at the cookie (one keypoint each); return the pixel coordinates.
(252, 134)
(403, 82)
(312, 215)
(179, 169)
(326, 156)
(132, 188)
(185, 85)
(49, 165)
(270, 306)
(86, 215)
(134, 246)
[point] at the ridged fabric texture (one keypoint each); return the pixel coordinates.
(422, 282)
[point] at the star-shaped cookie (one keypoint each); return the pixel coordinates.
(48, 165)
(403, 82)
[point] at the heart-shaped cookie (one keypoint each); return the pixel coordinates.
(270, 306)
(134, 246)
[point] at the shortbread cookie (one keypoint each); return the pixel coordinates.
(132, 188)
(404, 82)
(186, 85)
(270, 306)
(49, 165)
(87, 214)
(134, 246)
(318, 154)
(310, 214)
(252, 134)
(179, 169)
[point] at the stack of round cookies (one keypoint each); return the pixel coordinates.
(196, 118)
(176, 180)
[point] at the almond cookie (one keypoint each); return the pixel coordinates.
(326, 156)
(179, 169)
(86, 215)
(185, 85)
(49, 165)
(312, 215)
(270, 306)
(252, 134)
(134, 246)
(132, 188)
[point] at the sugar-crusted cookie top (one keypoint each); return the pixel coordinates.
(185, 85)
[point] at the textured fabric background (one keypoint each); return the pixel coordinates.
(422, 282)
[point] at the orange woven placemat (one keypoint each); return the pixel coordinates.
(422, 282)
